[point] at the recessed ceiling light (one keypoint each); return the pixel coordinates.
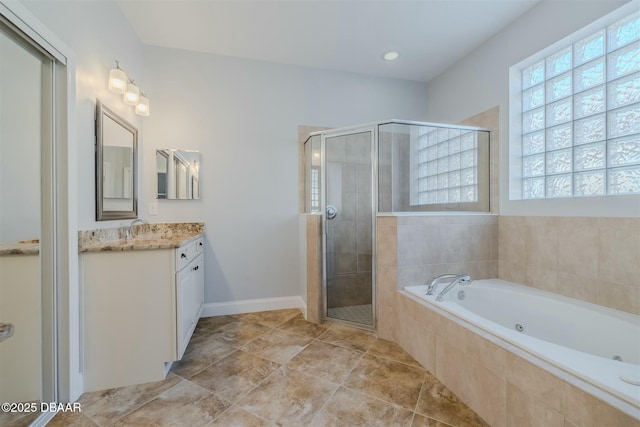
(390, 56)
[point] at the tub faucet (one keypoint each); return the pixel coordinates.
(134, 222)
(431, 289)
(462, 280)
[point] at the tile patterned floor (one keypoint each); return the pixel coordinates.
(276, 369)
(352, 313)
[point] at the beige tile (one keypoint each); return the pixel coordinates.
(238, 417)
(578, 286)
(523, 410)
(347, 337)
(288, 397)
(419, 342)
(68, 419)
(411, 275)
(270, 319)
(350, 408)
(578, 246)
(511, 238)
(392, 351)
(18, 419)
(541, 278)
(386, 283)
(326, 361)
(108, 406)
(620, 297)
(485, 393)
(202, 351)
(387, 221)
(183, 404)
(619, 250)
(438, 402)
(299, 326)
(387, 245)
(512, 272)
(538, 383)
(387, 323)
(209, 324)
(450, 365)
(489, 354)
(392, 382)
(235, 375)
(585, 410)
(278, 346)
(237, 334)
(422, 421)
(541, 242)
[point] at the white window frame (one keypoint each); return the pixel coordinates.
(609, 205)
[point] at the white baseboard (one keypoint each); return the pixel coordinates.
(254, 305)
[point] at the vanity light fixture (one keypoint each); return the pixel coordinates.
(121, 83)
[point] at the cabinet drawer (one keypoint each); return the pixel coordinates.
(187, 253)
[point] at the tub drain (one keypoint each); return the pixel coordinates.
(519, 327)
(461, 295)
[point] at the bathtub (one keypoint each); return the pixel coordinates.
(596, 344)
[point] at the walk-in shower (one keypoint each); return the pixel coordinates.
(354, 174)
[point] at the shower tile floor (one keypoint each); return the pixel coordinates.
(353, 313)
(273, 369)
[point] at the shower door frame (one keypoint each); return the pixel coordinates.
(373, 129)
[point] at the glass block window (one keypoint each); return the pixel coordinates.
(447, 166)
(315, 190)
(580, 116)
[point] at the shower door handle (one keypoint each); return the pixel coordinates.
(331, 212)
(6, 331)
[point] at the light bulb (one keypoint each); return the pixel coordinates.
(142, 108)
(131, 95)
(117, 80)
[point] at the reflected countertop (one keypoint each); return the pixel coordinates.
(20, 247)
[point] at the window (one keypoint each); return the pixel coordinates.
(446, 166)
(579, 116)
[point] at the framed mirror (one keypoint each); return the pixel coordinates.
(116, 166)
(178, 174)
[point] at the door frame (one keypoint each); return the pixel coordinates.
(62, 202)
(373, 129)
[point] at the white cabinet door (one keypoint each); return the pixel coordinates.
(190, 299)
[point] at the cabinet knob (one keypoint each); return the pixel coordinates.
(196, 268)
(200, 243)
(183, 255)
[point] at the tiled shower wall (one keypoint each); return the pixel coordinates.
(591, 259)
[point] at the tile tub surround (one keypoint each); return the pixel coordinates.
(275, 368)
(147, 236)
(591, 259)
(473, 367)
(498, 381)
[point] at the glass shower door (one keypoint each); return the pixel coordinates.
(348, 224)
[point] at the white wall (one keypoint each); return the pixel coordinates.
(98, 33)
(243, 115)
(481, 81)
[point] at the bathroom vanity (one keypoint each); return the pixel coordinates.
(142, 298)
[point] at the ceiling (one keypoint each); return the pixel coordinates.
(430, 35)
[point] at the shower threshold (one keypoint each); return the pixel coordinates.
(352, 313)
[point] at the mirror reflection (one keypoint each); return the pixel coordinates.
(178, 173)
(115, 166)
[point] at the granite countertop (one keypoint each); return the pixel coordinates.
(145, 237)
(20, 247)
